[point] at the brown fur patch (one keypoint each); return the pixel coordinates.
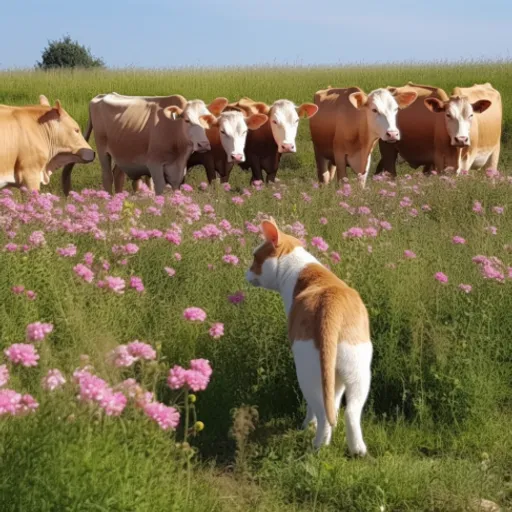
(286, 245)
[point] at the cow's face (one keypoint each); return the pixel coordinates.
(458, 113)
(284, 121)
(195, 126)
(233, 128)
(381, 107)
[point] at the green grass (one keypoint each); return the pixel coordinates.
(437, 422)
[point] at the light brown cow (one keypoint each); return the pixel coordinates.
(265, 146)
(147, 136)
(417, 129)
(347, 126)
(35, 140)
(474, 140)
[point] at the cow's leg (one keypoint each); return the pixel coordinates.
(149, 183)
(174, 173)
(494, 159)
(427, 169)
(387, 162)
(224, 169)
(31, 180)
(321, 168)
(255, 166)
(157, 175)
(360, 163)
(209, 166)
(340, 161)
(271, 164)
(119, 179)
(106, 170)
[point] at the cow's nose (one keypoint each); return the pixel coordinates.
(462, 140)
(288, 148)
(87, 155)
(393, 134)
(237, 157)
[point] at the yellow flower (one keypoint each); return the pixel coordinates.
(199, 426)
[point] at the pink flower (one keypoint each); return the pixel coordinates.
(67, 252)
(53, 380)
(136, 284)
(237, 297)
(231, 259)
(477, 207)
(31, 295)
(323, 221)
(116, 284)
(442, 278)
(197, 378)
(498, 209)
(18, 290)
(131, 249)
(113, 403)
(203, 185)
(409, 254)
(194, 314)
(306, 197)
(15, 404)
(458, 240)
(319, 243)
(466, 288)
(335, 257)
(166, 417)
(177, 377)
(4, 375)
(354, 232)
(237, 200)
(121, 357)
(177, 256)
(385, 225)
(141, 350)
(84, 272)
(89, 258)
(405, 202)
(186, 188)
(216, 330)
(37, 239)
(92, 388)
(170, 271)
(38, 331)
(277, 196)
(493, 230)
(10, 247)
(364, 210)
(226, 187)
(22, 353)
(426, 208)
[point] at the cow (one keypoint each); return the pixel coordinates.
(265, 146)
(455, 140)
(147, 136)
(228, 141)
(347, 126)
(36, 140)
(417, 128)
(474, 140)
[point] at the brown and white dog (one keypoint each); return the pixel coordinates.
(329, 329)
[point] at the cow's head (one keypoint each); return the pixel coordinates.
(381, 107)
(284, 120)
(67, 142)
(458, 113)
(233, 126)
(193, 117)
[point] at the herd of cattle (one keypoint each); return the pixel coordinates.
(159, 138)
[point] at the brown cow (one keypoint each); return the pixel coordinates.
(265, 146)
(35, 140)
(417, 128)
(347, 126)
(147, 136)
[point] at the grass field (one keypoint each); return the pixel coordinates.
(437, 423)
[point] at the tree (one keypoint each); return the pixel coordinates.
(66, 53)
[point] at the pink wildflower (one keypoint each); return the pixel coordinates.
(237, 200)
(466, 288)
(477, 207)
(237, 297)
(364, 210)
(187, 188)
(18, 290)
(226, 187)
(113, 403)
(216, 330)
(141, 350)
(53, 380)
(306, 198)
(498, 209)
(335, 257)
(319, 243)
(89, 258)
(84, 272)
(354, 232)
(177, 377)
(385, 225)
(31, 295)
(170, 271)
(15, 404)
(441, 277)
(194, 314)
(230, 259)
(38, 331)
(493, 230)
(323, 221)
(166, 417)
(4, 375)
(177, 256)
(37, 239)
(22, 353)
(67, 252)
(458, 240)
(277, 196)
(409, 254)
(121, 357)
(136, 284)
(116, 284)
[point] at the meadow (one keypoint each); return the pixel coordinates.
(430, 256)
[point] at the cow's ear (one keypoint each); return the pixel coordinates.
(307, 110)
(217, 106)
(261, 107)
(481, 106)
(405, 98)
(58, 107)
(256, 121)
(358, 99)
(173, 112)
(43, 100)
(209, 119)
(435, 105)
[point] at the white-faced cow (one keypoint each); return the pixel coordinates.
(35, 140)
(347, 126)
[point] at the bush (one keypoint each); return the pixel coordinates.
(68, 54)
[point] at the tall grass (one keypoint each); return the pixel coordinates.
(437, 420)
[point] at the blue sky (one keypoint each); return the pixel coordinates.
(171, 33)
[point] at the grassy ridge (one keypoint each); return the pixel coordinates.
(437, 420)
